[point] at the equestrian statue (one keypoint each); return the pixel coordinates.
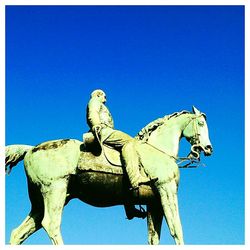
(110, 168)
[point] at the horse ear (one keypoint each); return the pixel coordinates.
(195, 110)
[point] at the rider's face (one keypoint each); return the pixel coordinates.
(103, 98)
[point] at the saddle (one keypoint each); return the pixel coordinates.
(102, 152)
(92, 145)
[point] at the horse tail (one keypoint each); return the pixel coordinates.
(14, 154)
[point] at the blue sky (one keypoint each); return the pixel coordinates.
(150, 61)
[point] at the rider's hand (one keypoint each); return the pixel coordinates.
(96, 128)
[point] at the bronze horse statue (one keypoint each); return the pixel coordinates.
(58, 171)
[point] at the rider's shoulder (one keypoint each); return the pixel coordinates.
(94, 102)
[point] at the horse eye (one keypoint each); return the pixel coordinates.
(201, 123)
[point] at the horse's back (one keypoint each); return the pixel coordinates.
(52, 160)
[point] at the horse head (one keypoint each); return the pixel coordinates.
(196, 132)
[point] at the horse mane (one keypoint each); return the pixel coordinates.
(146, 131)
(176, 114)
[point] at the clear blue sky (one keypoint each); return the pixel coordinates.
(151, 61)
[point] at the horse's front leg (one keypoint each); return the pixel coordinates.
(169, 201)
(154, 219)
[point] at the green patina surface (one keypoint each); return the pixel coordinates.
(50, 145)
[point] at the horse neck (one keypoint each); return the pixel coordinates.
(167, 136)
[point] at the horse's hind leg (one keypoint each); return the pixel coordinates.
(54, 199)
(168, 194)
(32, 222)
(155, 215)
(30, 225)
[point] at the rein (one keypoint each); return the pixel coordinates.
(180, 160)
(191, 159)
(102, 147)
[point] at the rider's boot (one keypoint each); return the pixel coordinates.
(132, 212)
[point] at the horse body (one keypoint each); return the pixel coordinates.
(58, 171)
(101, 189)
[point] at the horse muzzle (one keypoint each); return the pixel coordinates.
(208, 150)
(198, 148)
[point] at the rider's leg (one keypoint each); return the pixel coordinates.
(131, 162)
(118, 140)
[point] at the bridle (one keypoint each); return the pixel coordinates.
(195, 139)
(194, 155)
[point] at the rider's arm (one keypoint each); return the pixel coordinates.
(93, 114)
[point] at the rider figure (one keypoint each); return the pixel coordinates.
(101, 124)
